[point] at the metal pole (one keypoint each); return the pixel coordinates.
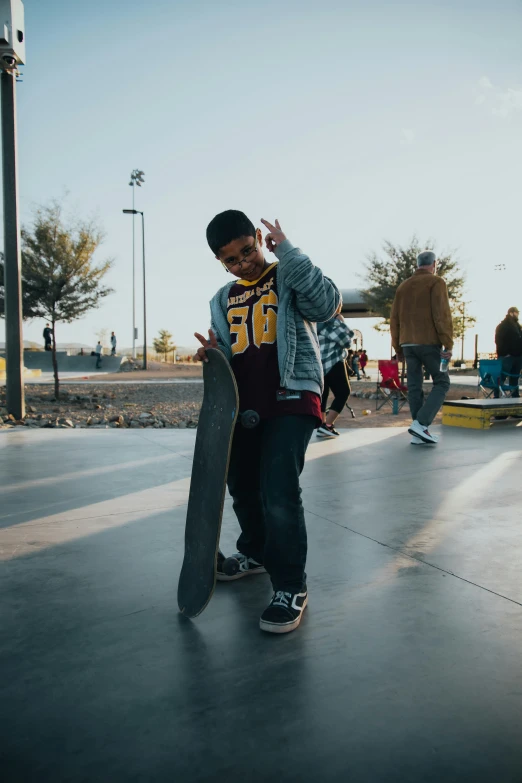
(144, 295)
(133, 282)
(12, 261)
(463, 330)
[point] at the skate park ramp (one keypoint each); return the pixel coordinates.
(42, 360)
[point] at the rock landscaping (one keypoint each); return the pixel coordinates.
(123, 406)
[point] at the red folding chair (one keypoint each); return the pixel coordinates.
(390, 388)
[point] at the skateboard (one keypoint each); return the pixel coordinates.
(217, 420)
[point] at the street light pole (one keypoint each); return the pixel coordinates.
(134, 212)
(144, 295)
(12, 252)
(133, 279)
(463, 330)
(136, 178)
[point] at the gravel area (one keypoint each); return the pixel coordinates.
(118, 406)
(160, 405)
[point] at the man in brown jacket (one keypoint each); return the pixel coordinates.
(422, 332)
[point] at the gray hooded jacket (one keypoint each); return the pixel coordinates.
(305, 296)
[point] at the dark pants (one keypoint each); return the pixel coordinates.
(511, 367)
(263, 479)
(98, 361)
(48, 346)
(336, 379)
(417, 356)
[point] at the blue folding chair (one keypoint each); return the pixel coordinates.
(490, 376)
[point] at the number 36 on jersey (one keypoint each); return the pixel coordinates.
(254, 324)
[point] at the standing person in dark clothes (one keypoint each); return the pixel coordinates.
(99, 353)
(113, 344)
(355, 365)
(263, 321)
(508, 339)
(48, 337)
(334, 339)
(349, 362)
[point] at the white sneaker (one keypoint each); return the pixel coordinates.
(415, 441)
(420, 431)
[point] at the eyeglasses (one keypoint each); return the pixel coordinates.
(247, 254)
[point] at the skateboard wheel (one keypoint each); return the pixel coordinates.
(249, 419)
(230, 566)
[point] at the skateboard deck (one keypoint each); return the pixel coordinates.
(217, 420)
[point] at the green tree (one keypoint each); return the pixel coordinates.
(384, 274)
(28, 299)
(163, 344)
(462, 320)
(60, 279)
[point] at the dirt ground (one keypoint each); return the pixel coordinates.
(385, 417)
(156, 371)
(381, 418)
(171, 405)
(119, 400)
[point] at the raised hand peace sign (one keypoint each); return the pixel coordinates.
(275, 237)
(201, 355)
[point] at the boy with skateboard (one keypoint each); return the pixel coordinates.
(263, 322)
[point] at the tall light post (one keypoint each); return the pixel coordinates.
(136, 178)
(462, 312)
(137, 212)
(12, 54)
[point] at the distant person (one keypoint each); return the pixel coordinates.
(113, 344)
(355, 365)
(349, 362)
(363, 361)
(334, 340)
(48, 337)
(422, 332)
(99, 353)
(508, 339)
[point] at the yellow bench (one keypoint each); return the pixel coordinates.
(476, 414)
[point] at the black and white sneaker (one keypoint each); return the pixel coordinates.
(236, 566)
(327, 431)
(283, 613)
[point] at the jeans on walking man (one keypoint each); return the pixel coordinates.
(422, 332)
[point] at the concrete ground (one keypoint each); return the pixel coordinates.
(406, 666)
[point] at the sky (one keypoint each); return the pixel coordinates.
(350, 122)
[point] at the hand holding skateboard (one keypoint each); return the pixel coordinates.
(201, 355)
(275, 235)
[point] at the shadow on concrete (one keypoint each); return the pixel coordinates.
(397, 673)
